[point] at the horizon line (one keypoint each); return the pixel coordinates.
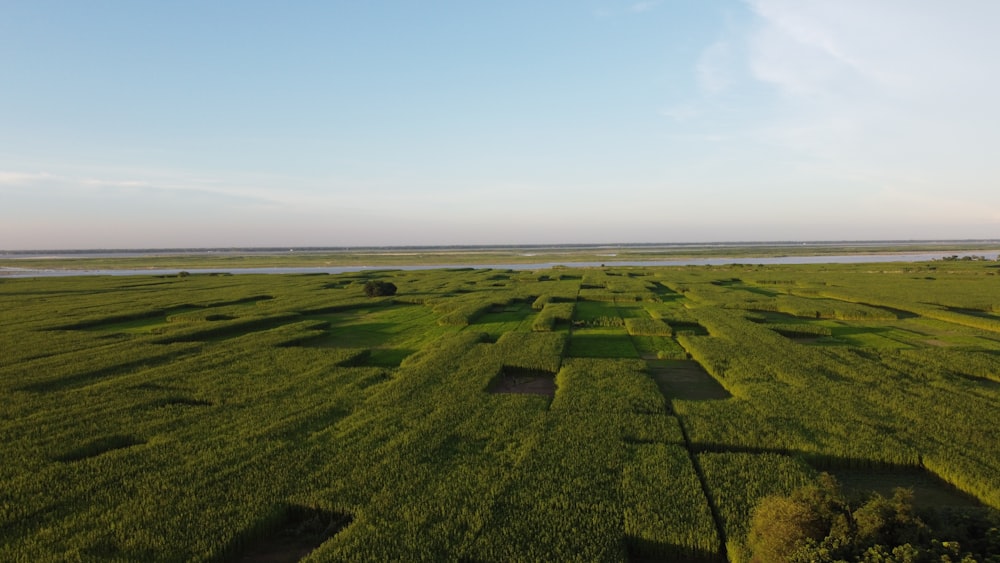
(348, 248)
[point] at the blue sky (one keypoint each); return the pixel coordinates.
(134, 124)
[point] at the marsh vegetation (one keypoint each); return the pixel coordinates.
(607, 414)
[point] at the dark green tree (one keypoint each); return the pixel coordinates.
(816, 524)
(782, 526)
(379, 288)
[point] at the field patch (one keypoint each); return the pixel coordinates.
(658, 347)
(601, 343)
(686, 380)
(389, 334)
(529, 426)
(868, 336)
(377, 357)
(514, 316)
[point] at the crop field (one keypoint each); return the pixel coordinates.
(592, 414)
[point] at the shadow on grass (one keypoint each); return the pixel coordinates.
(89, 377)
(100, 446)
(645, 551)
(288, 535)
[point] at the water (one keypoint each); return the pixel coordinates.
(11, 272)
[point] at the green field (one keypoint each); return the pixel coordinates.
(603, 414)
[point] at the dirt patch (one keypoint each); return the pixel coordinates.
(301, 531)
(689, 327)
(524, 381)
(214, 318)
(182, 402)
(687, 380)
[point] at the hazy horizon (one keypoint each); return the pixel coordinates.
(877, 244)
(334, 124)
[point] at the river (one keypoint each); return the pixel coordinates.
(13, 272)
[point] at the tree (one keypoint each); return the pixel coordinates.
(781, 526)
(815, 524)
(890, 521)
(379, 288)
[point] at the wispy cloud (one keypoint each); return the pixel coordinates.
(714, 68)
(160, 185)
(681, 112)
(10, 178)
(646, 6)
(892, 89)
(893, 48)
(802, 47)
(933, 208)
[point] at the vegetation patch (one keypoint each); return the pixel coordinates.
(85, 377)
(647, 327)
(658, 347)
(502, 318)
(601, 343)
(553, 316)
(487, 443)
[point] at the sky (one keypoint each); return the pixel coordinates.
(211, 123)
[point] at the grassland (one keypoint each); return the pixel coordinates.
(606, 414)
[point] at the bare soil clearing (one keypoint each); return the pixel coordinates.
(687, 380)
(525, 382)
(302, 532)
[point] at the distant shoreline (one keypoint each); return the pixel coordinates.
(967, 244)
(269, 262)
